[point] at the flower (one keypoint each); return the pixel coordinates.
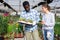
(17, 24)
(6, 14)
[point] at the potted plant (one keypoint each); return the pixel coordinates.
(3, 26)
(25, 21)
(18, 31)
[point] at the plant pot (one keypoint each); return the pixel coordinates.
(19, 35)
(1, 38)
(6, 38)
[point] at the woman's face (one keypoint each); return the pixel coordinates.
(44, 9)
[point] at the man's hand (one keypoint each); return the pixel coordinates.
(42, 22)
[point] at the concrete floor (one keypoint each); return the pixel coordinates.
(19, 39)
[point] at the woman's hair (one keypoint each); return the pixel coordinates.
(46, 6)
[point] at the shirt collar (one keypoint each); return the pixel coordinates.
(47, 13)
(28, 12)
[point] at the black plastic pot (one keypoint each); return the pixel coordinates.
(1, 38)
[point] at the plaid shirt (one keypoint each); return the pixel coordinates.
(34, 16)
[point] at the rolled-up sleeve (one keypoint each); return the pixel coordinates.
(22, 14)
(37, 17)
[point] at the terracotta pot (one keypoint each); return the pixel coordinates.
(6, 38)
(19, 35)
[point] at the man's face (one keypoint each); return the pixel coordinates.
(27, 8)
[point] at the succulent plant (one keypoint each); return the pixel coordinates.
(29, 20)
(22, 19)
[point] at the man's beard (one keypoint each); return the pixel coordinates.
(27, 10)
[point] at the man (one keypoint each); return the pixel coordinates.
(34, 16)
(48, 22)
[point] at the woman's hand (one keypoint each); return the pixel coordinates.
(42, 22)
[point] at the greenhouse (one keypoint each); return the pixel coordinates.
(18, 22)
